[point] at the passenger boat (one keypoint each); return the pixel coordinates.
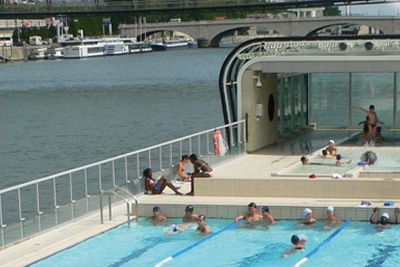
(38, 53)
(54, 53)
(139, 47)
(84, 51)
(173, 44)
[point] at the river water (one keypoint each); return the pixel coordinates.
(57, 115)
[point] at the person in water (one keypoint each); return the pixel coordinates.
(252, 216)
(331, 148)
(157, 217)
(331, 219)
(305, 161)
(189, 216)
(267, 216)
(384, 219)
(308, 217)
(201, 169)
(202, 225)
(298, 242)
(340, 162)
(182, 168)
(157, 187)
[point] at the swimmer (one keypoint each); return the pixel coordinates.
(189, 216)
(267, 216)
(331, 148)
(202, 225)
(252, 216)
(157, 217)
(325, 154)
(384, 220)
(339, 161)
(308, 217)
(299, 243)
(331, 219)
(305, 161)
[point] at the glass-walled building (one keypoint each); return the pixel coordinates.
(283, 86)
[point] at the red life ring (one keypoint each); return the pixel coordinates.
(219, 143)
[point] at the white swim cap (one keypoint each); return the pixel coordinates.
(386, 215)
(331, 142)
(306, 212)
(330, 209)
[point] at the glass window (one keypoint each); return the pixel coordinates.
(373, 89)
(329, 99)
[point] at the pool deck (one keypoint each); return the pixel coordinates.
(258, 165)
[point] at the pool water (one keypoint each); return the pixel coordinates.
(360, 244)
(388, 161)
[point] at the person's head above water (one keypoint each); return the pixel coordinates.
(371, 107)
(324, 152)
(338, 157)
(156, 209)
(331, 142)
(307, 212)
(295, 239)
(385, 218)
(189, 208)
(304, 160)
(265, 209)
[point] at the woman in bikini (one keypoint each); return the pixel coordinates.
(182, 167)
(157, 187)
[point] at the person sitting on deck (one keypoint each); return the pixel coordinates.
(189, 216)
(331, 148)
(267, 216)
(252, 216)
(340, 162)
(153, 187)
(308, 217)
(181, 168)
(384, 220)
(202, 225)
(157, 217)
(299, 243)
(201, 169)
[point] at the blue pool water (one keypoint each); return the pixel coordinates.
(145, 245)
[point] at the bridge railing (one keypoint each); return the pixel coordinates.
(32, 207)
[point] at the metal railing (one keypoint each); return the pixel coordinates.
(31, 207)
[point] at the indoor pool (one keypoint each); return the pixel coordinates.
(360, 244)
(388, 161)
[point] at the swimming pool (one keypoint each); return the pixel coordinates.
(388, 161)
(145, 245)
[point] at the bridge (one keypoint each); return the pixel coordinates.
(15, 8)
(209, 33)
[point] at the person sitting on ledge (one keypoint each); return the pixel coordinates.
(201, 169)
(153, 187)
(252, 216)
(181, 168)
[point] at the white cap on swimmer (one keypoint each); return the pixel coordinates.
(386, 215)
(307, 212)
(331, 142)
(330, 209)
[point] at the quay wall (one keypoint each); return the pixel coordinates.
(15, 53)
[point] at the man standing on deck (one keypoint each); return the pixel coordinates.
(372, 121)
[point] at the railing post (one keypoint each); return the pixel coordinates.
(180, 149)
(129, 217)
(86, 183)
(138, 166)
(126, 170)
(38, 200)
(208, 143)
(170, 156)
(199, 145)
(149, 159)
(160, 158)
(20, 205)
(55, 194)
(244, 137)
(71, 194)
(101, 207)
(113, 172)
(190, 145)
(2, 225)
(109, 207)
(100, 183)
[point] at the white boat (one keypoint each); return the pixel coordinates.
(54, 53)
(84, 51)
(115, 48)
(38, 53)
(139, 47)
(162, 45)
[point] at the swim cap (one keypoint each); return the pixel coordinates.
(295, 239)
(265, 209)
(331, 142)
(156, 209)
(252, 205)
(189, 208)
(202, 217)
(385, 215)
(330, 209)
(307, 212)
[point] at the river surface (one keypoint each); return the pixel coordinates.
(57, 115)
